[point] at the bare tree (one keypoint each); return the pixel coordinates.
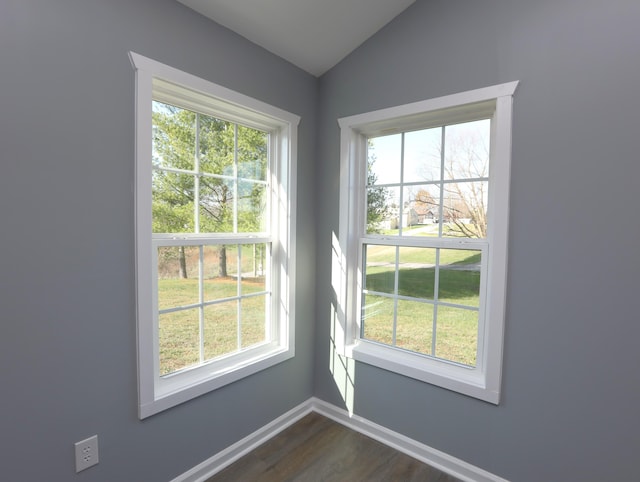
(466, 171)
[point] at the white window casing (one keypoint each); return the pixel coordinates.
(483, 381)
(158, 82)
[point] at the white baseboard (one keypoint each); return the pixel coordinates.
(440, 460)
(433, 457)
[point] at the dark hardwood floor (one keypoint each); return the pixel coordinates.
(319, 449)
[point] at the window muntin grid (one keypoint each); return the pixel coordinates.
(209, 179)
(431, 185)
(422, 299)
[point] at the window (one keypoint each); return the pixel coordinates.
(423, 235)
(215, 184)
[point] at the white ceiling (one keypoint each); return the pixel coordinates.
(312, 34)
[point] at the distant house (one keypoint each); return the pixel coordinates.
(419, 213)
(410, 217)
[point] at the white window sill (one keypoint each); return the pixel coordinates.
(458, 378)
(181, 387)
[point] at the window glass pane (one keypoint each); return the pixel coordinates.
(254, 259)
(457, 335)
(179, 340)
(466, 150)
(421, 210)
(416, 274)
(422, 155)
(459, 277)
(415, 326)
(252, 153)
(220, 329)
(465, 209)
(220, 272)
(177, 276)
(377, 319)
(383, 210)
(383, 159)
(216, 205)
(217, 146)
(253, 315)
(174, 137)
(380, 269)
(172, 202)
(252, 202)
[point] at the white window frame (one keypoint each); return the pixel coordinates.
(484, 380)
(157, 81)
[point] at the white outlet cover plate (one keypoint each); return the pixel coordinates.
(86, 453)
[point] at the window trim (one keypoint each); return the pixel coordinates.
(495, 102)
(157, 81)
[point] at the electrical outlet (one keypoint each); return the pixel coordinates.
(86, 453)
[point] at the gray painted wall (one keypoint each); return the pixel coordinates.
(67, 329)
(67, 334)
(571, 390)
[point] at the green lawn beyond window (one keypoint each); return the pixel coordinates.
(432, 292)
(179, 331)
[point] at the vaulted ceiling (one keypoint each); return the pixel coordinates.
(312, 34)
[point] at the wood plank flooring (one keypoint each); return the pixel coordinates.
(318, 449)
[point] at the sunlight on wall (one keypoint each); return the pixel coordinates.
(341, 367)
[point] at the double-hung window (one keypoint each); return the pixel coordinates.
(423, 238)
(215, 173)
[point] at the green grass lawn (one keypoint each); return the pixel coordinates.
(179, 331)
(456, 328)
(381, 253)
(456, 338)
(458, 283)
